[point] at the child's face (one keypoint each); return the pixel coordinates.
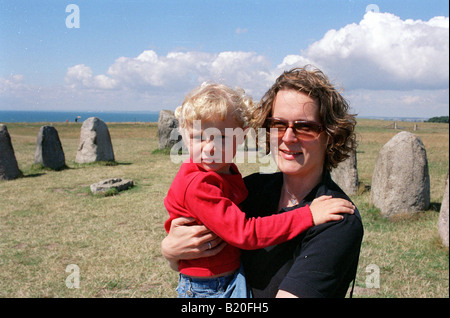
(213, 143)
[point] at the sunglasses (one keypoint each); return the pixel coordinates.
(303, 129)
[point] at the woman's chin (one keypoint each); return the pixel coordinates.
(290, 164)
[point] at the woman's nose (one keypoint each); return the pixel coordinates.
(289, 135)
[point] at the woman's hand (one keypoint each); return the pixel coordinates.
(189, 241)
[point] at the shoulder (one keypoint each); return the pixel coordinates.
(329, 187)
(191, 178)
(190, 171)
(204, 180)
(345, 235)
(341, 238)
(350, 228)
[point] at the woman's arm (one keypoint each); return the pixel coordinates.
(187, 241)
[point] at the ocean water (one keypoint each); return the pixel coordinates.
(7, 116)
(12, 116)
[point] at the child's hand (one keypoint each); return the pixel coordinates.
(326, 208)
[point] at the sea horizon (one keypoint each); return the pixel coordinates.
(33, 116)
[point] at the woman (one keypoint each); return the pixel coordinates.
(314, 132)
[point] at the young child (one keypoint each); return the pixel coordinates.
(209, 188)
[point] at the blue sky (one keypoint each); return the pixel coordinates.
(146, 55)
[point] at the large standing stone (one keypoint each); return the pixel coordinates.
(443, 217)
(401, 181)
(346, 175)
(8, 164)
(49, 151)
(95, 142)
(168, 134)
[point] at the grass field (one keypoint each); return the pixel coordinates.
(49, 220)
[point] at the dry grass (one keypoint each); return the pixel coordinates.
(407, 250)
(50, 220)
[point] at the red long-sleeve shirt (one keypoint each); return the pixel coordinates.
(213, 200)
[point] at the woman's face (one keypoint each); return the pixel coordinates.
(293, 155)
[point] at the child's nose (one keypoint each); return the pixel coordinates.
(209, 146)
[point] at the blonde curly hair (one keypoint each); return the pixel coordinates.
(211, 101)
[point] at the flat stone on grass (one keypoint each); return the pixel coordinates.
(104, 186)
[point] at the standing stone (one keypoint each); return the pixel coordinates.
(401, 181)
(95, 142)
(8, 164)
(443, 217)
(49, 151)
(346, 175)
(168, 134)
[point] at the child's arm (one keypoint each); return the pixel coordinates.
(325, 209)
(208, 204)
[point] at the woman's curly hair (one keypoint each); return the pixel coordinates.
(333, 110)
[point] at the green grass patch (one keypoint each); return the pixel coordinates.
(49, 219)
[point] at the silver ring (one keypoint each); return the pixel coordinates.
(209, 246)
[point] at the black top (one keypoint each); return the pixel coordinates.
(321, 262)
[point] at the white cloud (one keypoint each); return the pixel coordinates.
(244, 69)
(176, 73)
(383, 52)
(399, 103)
(80, 76)
(13, 83)
(386, 65)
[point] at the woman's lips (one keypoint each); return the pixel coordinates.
(289, 154)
